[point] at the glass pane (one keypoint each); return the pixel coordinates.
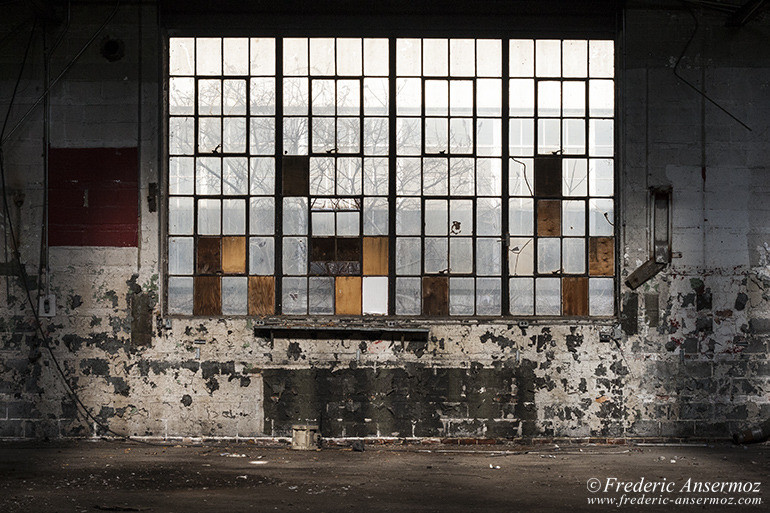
(488, 177)
(235, 175)
(322, 56)
(322, 174)
(376, 96)
(601, 59)
(375, 295)
(574, 136)
(435, 217)
(208, 175)
(180, 295)
(234, 135)
(601, 177)
(295, 216)
(349, 179)
(376, 57)
(408, 216)
(461, 177)
(235, 293)
(461, 255)
(489, 97)
(601, 296)
(209, 216)
(436, 255)
(408, 57)
(208, 56)
(548, 255)
(489, 216)
(488, 296)
(209, 135)
(261, 256)
(348, 223)
(295, 56)
(436, 135)
(209, 97)
(294, 255)
(324, 98)
(521, 177)
(462, 57)
(234, 217)
(180, 255)
(489, 58)
(294, 292)
(548, 58)
(321, 295)
(462, 296)
(408, 255)
(600, 137)
(262, 216)
(461, 97)
(548, 296)
(376, 176)
(522, 137)
(324, 135)
(180, 216)
(181, 56)
(488, 257)
(181, 136)
(522, 97)
(521, 256)
(262, 56)
(180, 175)
(295, 136)
(601, 216)
(408, 296)
(348, 135)
(520, 216)
(461, 217)
(262, 97)
(263, 136)
(435, 176)
(574, 256)
(436, 97)
(549, 136)
(408, 136)
(262, 171)
(522, 61)
(522, 296)
(376, 136)
(549, 98)
(573, 218)
(295, 96)
(575, 177)
(348, 97)
(575, 58)
(574, 99)
(234, 97)
(408, 97)
(181, 93)
(435, 57)
(601, 98)
(349, 56)
(375, 216)
(489, 137)
(460, 135)
(408, 176)
(322, 224)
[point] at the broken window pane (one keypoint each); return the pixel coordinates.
(375, 295)
(294, 292)
(180, 255)
(548, 296)
(601, 217)
(488, 296)
(601, 297)
(294, 255)
(235, 292)
(261, 256)
(462, 296)
(408, 296)
(262, 216)
(461, 217)
(521, 256)
(321, 295)
(488, 257)
(180, 295)
(522, 296)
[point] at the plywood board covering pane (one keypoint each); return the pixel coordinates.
(435, 295)
(261, 295)
(347, 295)
(375, 256)
(549, 218)
(208, 259)
(296, 176)
(574, 295)
(601, 256)
(207, 295)
(548, 177)
(234, 255)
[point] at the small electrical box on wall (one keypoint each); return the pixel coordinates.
(47, 306)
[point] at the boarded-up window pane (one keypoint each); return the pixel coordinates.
(375, 256)
(261, 295)
(234, 255)
(435, 295)
(207, 296)
(601, 256)
(575, 295)
(296, 172)
(548, 177)
(209, 255)
(548, 218)
(348, 295)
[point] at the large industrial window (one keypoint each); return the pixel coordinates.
(403, 177)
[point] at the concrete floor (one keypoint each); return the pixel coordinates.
(128, 476)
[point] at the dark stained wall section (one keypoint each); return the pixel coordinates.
(93, 197)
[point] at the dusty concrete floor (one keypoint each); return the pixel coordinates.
(127, 476)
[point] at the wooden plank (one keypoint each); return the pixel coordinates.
(435, 295)
(574, 291)
(296, 175)
(234, 255)
(322, 249)
(376, 256)
(209, 258)
(548, 177)
(207, 295)
(261, 295)
(348, 249)
(548, 218)
(347, 296)
(601, 256)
